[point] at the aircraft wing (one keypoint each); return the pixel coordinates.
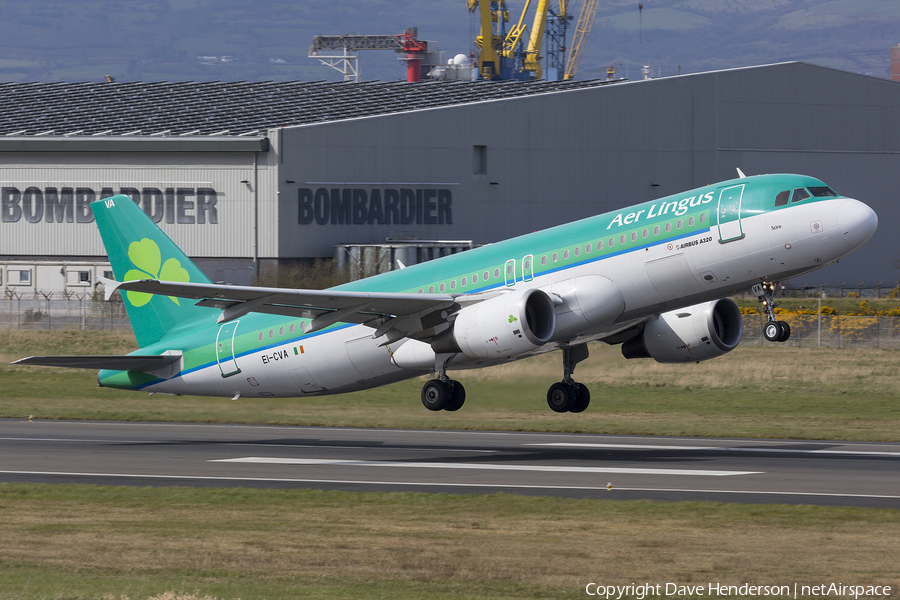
(393, 314)
(129, 362)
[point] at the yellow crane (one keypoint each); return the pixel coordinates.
(582, 32)
(501, 54)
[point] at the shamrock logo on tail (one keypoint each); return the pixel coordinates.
(146, 257)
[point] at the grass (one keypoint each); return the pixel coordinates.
(769, 392)
(82, 541)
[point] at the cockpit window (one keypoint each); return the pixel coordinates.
(822, 191)
(782, 198)
(799, 194)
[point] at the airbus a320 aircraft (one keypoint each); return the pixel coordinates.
(653, 277)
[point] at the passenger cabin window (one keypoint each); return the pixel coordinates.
(782, 198)
(822, 191)
(799, 194)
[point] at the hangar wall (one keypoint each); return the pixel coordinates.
(562, 156)
(197, 199)
(508, 167)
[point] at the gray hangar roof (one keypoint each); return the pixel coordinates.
(229, 109)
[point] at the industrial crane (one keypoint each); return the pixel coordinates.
(501, 52)
(582, 32)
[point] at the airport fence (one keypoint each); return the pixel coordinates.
(88, 312)
(84, 312)
(830, 331)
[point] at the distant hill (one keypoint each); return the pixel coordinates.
(235, 40)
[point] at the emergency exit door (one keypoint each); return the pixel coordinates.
(225, 349)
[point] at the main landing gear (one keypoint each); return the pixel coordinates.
(568, 395)
(773, 331)
(443, 393)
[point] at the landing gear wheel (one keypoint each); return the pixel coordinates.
(785, 331)
(560, 397)
(773, 331)
(435, 394)
(582, 398)
(457, 396)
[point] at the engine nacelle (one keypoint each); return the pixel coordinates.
(587, 301)
(689, 334)
(507, 325)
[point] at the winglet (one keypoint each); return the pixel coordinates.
(109, 287)
(741, 173)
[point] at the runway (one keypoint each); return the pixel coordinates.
(460, 462)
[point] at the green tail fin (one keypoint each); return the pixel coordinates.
(138, 249)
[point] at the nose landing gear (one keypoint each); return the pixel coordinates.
(773, 331)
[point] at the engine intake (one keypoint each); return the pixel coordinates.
(689, 334)
(507, 325)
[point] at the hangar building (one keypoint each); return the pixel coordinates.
(245, 176)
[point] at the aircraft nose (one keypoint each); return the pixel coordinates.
(858, 222)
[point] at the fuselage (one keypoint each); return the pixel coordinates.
(673, 252)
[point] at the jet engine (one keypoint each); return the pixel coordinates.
(689, 334)
(506, 325)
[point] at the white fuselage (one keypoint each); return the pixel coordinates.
(776, 245)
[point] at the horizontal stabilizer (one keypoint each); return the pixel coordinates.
(130, 362)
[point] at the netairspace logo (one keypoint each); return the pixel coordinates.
(650, 590)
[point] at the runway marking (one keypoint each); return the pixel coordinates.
(721, 448)
(373, 446)
(453, 485)
(477, 467)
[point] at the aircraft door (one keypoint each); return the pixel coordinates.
(225, 349)
(729, 213)
(510, 272)
(528, 268)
